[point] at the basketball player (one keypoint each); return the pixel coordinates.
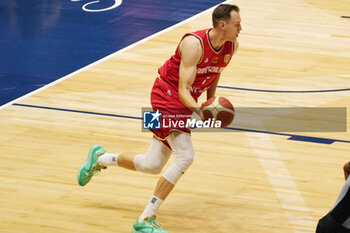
(338, 219)
(193, 69)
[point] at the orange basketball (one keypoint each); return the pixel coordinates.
(220, 109)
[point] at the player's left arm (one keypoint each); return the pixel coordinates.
(191, 52)
(212, 89)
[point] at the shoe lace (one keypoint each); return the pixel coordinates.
(96, 170)
(154, 223)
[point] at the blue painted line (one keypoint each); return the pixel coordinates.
(311, 139)
(77, 111)
(291, 136)
(347, 17)
(281, 91)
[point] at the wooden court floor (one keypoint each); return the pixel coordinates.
(240, 182)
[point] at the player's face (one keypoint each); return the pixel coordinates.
(233, 26)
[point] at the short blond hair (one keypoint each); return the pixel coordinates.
(223, 12)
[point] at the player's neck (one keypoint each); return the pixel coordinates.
(216, 39)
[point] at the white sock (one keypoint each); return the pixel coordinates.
(108, 159)
(151, 208)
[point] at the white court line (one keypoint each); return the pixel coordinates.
(285, 188)
(107, 57)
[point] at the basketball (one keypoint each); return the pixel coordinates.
(220, 109)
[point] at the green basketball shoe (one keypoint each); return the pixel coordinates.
(149, 225)
(91, 166)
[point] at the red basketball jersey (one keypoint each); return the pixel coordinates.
(209, 67)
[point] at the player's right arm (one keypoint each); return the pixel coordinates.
(346, 169)
(191, 53)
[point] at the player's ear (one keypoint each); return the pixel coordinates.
(222, 24)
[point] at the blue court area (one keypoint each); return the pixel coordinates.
(44, 40)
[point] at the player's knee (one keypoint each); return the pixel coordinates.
(182, 150)
(144, 164)
(184, 159)
(154, 167)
